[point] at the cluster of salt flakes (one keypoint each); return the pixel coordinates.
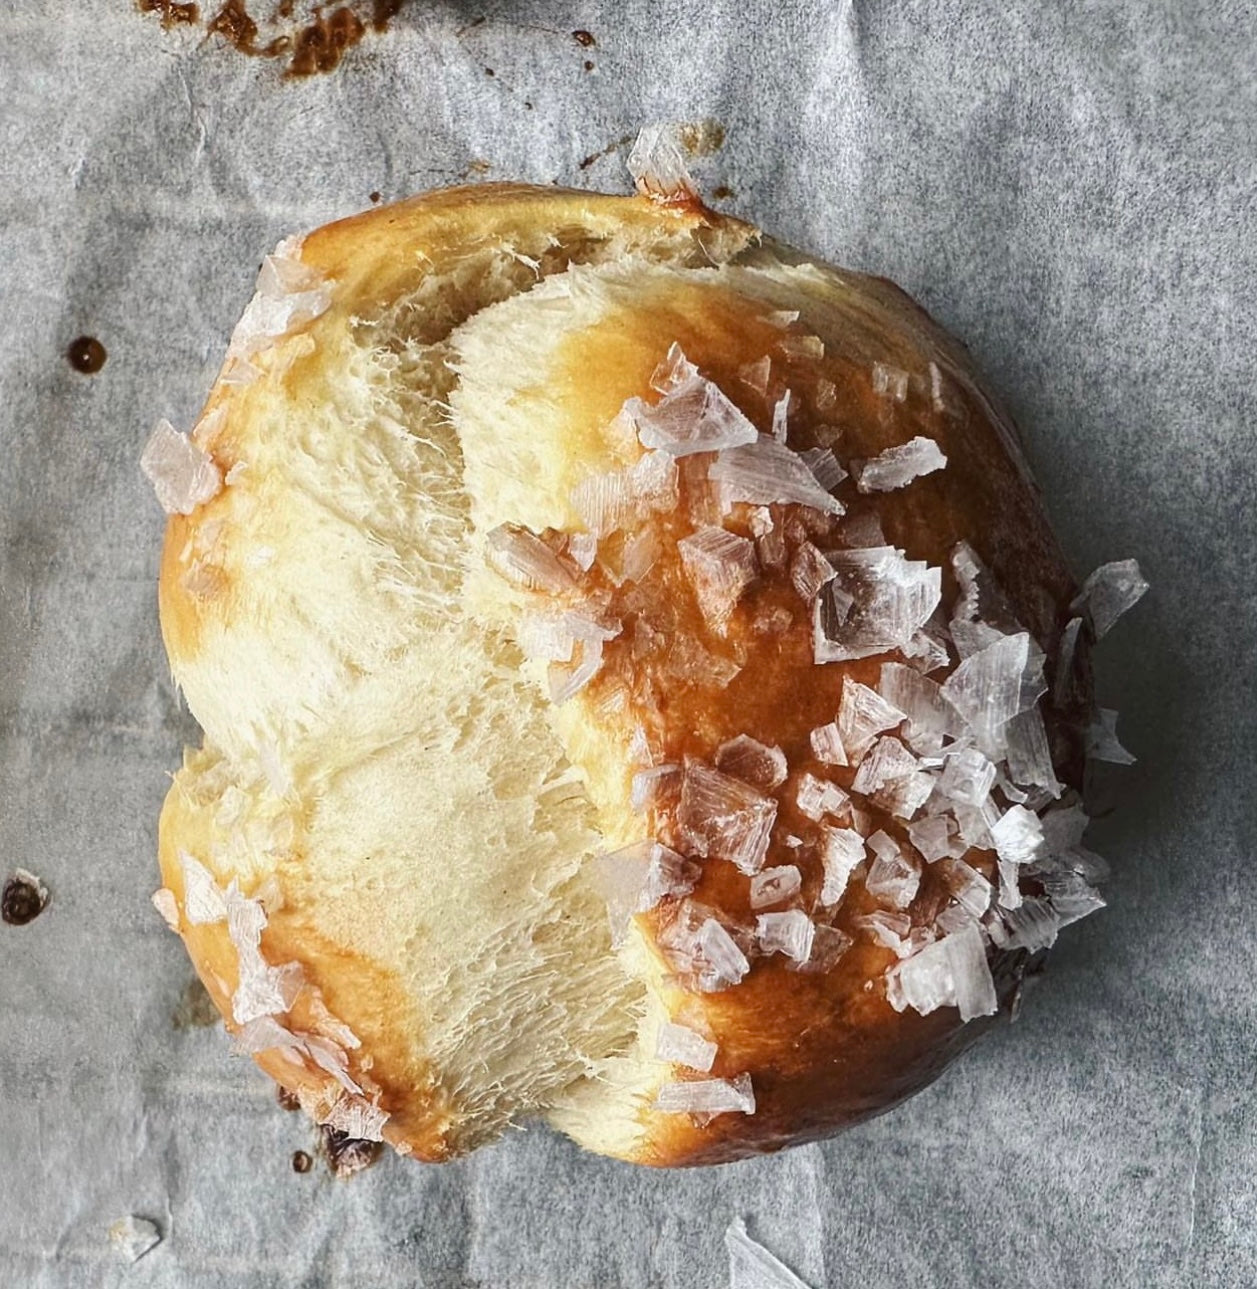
(183, 475)
(958, 763)
(265, 992)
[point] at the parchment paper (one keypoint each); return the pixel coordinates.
(1070, 188)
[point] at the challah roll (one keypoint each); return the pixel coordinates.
(640, 687)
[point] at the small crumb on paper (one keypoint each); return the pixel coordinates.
(132, 1237)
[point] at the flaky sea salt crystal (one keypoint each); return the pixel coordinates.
(183, 476)
(968, 887)
(967, 776)
(721, 817)
(1032, 926)
(720, 566)
(751, 1266)
(1009, 896)
(1028, 754)
(673, 371)
(261, 990)
(707, 1096)
(756, 374)
(986, 687)
(132, 1237)
(1102, 741)
(774, 885)
(165, 903)
(522, 557)
(817, 797)
(767, 472)
(635, 878)
(706, 953)
(1072, 896)
(826, 741)
(1017, 835)
(952, 972)
(641, 552)
(904, 796)
(357, 1117)
(826, 395)
(803, 346)
(753, 762)
(898, 466)
(203, 901)
(789, 933)
(862, 715)
(930, 717)
(1064, 681)
(619, 498)
(650, 785)
(781, 418)
(657, 163)
(927, 651)
(565, 682)
(545, 635)
(842, 852)
(890, 382)
(265, 1034)
(887, 760)
(289, 294)
(894, 876)
(726, 963)
(931, 836)
(680, 1045)
(693, 416)
(809, 571)
(824, 465)
(1109, 592)
(888, 929)
(828, 945)
(1063, 828)
(876, 602)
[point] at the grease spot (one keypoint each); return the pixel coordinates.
(86, 354)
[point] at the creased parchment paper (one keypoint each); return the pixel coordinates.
(1070, 188)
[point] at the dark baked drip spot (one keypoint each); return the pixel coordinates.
(173, 13)
(348, 1155)
(85, 353)
(302, 1161)
(584, 38)
(287, 1100)
(22, 901)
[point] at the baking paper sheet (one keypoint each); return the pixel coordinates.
(1070, 188)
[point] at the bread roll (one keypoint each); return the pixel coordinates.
(639, 683)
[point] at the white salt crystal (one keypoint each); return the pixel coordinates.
(635, 878)
(289, 294)
(707, 1096)
(183, 476)
(782, 318)
(650, 785)
(565, 682)
(1028, 755)
(861, 532)
(760, 521)
(1063, 828)
(781, 415)
(357, 1117)
(203, 901)
(890, 382)
(809, 571)
(817, 798)
(775, 885)
(828, 945)
(927, 651)
(1064, 681)
(826, 396)
(657, 163)
(842, 852)
(583, 550)
(132, 1237)
(640, 555)
(726, 963)
(967, 776)
(1009, 896)
(931, 836)
(905, 795)
(789, 933)
(674, 371)
(894, 876)
(767, 472)
(545, 635)
(1017, 835)
(968, 887)
(898, 466)
(986, 687)
(680, 1045)
(756, 374)
(929, 715)
(723, 818)
(1102, 741)
(706, 953)
(1109, 592)
(751, 1266)
(720, 566)
(694, 416)
(952, 972)
(752, 761)
(522, 557)
(876, 602)
(265, 1034)
(619, 498)
(890, 930)
(827, 745)
(1033, 926)
(1071, 895)
(888, 760)
(261, 990)
(807, 347)
(824, 465)
(862, 715)
(165, 903)
(937, 400)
